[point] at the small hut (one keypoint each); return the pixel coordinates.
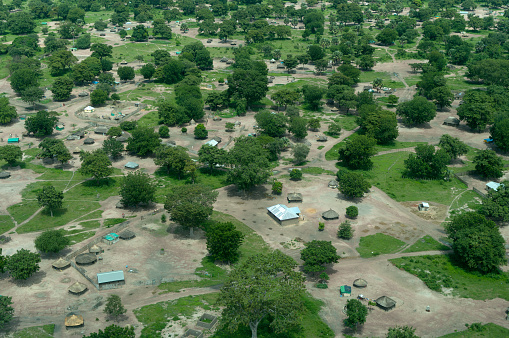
(83, 94)
(333, 184)
(89, 141)
(330, 214)
(5, 174)
(61, 264)
(101, 130)
(322, 138)
(345, 290)
(73, 320)
(89, 109)
(77, 288)
(76, 150)
(95, 249)
(127, 235)
(223, 59)
(122, 138)
(360, 283)
(86, 259)
(452, 121)
(124, 62)
(217, 139)
(294, 197)
(385, 303)
(423, 206)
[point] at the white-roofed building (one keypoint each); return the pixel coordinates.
(283, 214)
(493, 186)
(112, 277)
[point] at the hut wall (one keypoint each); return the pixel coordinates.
(111, 285)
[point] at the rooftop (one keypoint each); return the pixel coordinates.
(283, 213)
(112, 276)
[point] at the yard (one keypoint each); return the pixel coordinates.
(379, 244)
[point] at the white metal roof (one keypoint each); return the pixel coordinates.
(425, 205)
(112, 276)
(283, 213)
(212, 143)
(493, 185)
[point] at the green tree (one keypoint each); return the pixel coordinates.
(200, 132)
(98, 97)
(357, 152)
(50, 198)
(95, 164)
(300, 152)
(224, 241)
(356, 312)
(54, 148)
(496, 205)
(125, 73)
(315, 52)
(32, 95)
(488, 164)
(114, 307)
(136, 188)
(139, 33)
(21, 23)
(297, 127)
(417, 111)
(265, 285)
(174, 159)
(313, 95)
(401, 331)
(62, 88)
(285, 97)
(114, 331)
(345, 230)
(353, 185)
(143, 141)
(314, 124)
(274, 125)
(23, 264)
(379, 124)
(113, 148)
(442, 96)
(392, 100)
(229, 126)
(296, 174)
(101, 50)
(61, 61)
(100, 25)
(334, 128)
(352, 211)
(211, 156)
(11, 154)
(7, 112)
(250, 83)
(51, 241)
(427, 163)
(387, 36)
(6, 311)
(452, 146)
(317, 254)
(23, 79)
(171, 114)
(164, 131)
(161, 28)
(190, 205)
(277, 187)
(499, 132)
(147, 71)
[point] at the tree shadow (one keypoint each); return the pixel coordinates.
(36, 278)
(347, 332)
(257, 193)
(102, 182)
(182, 232)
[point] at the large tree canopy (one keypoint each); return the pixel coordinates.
(317, 254)
(23, 264)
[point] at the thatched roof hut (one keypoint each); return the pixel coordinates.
(73, 320)
(89, 141)
(5, 174)
(360, 283)
(95, 249)
(451, 121)
(122, 138)
(330, 214)
(333, 184)
(76, 150)
(127, 234)
(322, 138)
(77, 288)
(61, 264)
(86, 259)
(294, 197)
(385, 303)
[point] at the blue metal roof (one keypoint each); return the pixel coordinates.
(112, 276)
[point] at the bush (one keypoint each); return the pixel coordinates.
(277, 187)
(200, 132)
(183, 130)
(128, 125)
(296, 174)
(163, 218)
(164, 132)
(321, 226)
(352, 211)
(345, 230)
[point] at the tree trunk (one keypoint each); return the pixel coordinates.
(254, 329)
(191, 231)
(51, 212)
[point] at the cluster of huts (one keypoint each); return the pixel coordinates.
(384, 302)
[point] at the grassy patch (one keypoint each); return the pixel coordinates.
(6, 223)
(427, 243)
(80, 237)
(489, 330)
(149, 120)
(155, 316)
(379, 244)
(90, 224)
(93, 215)
(35, 332)
(113, 221)
(22, 211)
(347, 122)
(469, 199)
(320, 147)
(316, 171)
(440, 271)
(397, 145)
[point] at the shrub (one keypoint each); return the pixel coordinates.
(200, 132)
(164, 132)
(183, 130)
(352, 211)
(321, 226)
(345, 230)
(296, 174)
(128, 125)
(163, 218)
(277, 187)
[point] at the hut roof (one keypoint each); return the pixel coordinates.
(333, 183)
(224, 59)
(330, 214)
(294, 196)
(360, 283)
(95, 248)
(77, 288)
(76, 150)
(283, 213)
(86, 258)
(101, 130)
(452, 120)
(89, 141)
(127, 234)
(218, 139)
(385, 302)
(5, 174)
(61, 264)
(73, 320)
(112, 276)
(322, 138)
(122, 138)
(83, 94)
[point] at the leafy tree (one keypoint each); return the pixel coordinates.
(250, 165)
(125, 73)
(23, 264)
(427, 163)
(488, 164)
(112, 147)
(334, 128)
(402, 331)
(143, 141)
(147, 71)
(114, 306)
(139, 34)
(496, 205)
(271, 124)
(171, 71)
(392, 100)
(136, 188)
(21, 23)
(23, 79)
(353, 185)
(417, 111)
(297, 127)
(100, 25)
(54, 148)
(62, 88)
(50, 198)
(51, 241)
(11, 154)
(452, 146)
(277, 187)
(170, 114)
(164, 132)
(285, 97)
(101, 50)
(315, 52)
(98, 97)
(296, 174)
(379, 124)
(128, 125)
(95, 164)
(212, 156)
(313, 95)
(200, 132)
(114, 132)
(7, 112)
(265, 285)
(114, 331)
(161, 29)
(317, 254)
(345, 230)
(477, 115)
(174, 159)
(224, 241)
(357, 152)
(6, 311)
(250, 82)
(442, 96)
(300, 152)
(352, 211)
(387, 36)
(32, 95)
(61, 61)
(356, 312)
(190, 205)
(499, 132)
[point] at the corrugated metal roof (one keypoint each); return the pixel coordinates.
(493, 185)
(283, 213)
(212, 143)
(112, 276)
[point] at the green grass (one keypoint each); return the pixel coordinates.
(36, 332)
(489, 330)
(396, 145)
(80, 237)
(155, 316)
(427, 243)
(112, 221)
(93, 215)
(149, 120)
(316, 171)
(347, 122)
(320, 147)
(469, 199)
(6, 223)
(90, 224)
(22, 211)
(440, 270)
(379, 244)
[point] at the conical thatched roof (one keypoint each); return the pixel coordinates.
(61, 264)
(294, 197)
(330, 214)
(385, 302)
(89, 141)
(77, 288)
(360, 283)
(322, 138)
(76, 150)
(73, 320)
(127, 234)
(95, 249)
(86, 258)
(333, 183)
(5, 174)
(122, 138)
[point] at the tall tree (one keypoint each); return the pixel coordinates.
(317, 254)
(274, 125)
(489, 164)
(50, 198)
(452, 146)
(95, 164)
(42, 124)
(23, 264)
(417, 111)
(496, 205)
(114, 306)
(51, 241)
(136, 188)
(211, 156)
(113, 148)
(356, 312)
(223, 241)
(7, 112)
(6, 311)
(11, 154)
(62, 88)
(143, 141)
(357, 152)
(352, 185)
(54, 148)
(174, 159)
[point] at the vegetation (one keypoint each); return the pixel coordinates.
(378, 244)
(426, 243)
(51, 241)
(223, 241)
(317, 254)
(23, 264)
(114, 307)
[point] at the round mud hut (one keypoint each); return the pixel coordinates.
(73, 320)
(77, 288)
(61, 264)
(127, 235)
(89, 141)
(330, 214)
(360, 283)
(385, 303)
(86, 259)
(5, 174)
(95, 249)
